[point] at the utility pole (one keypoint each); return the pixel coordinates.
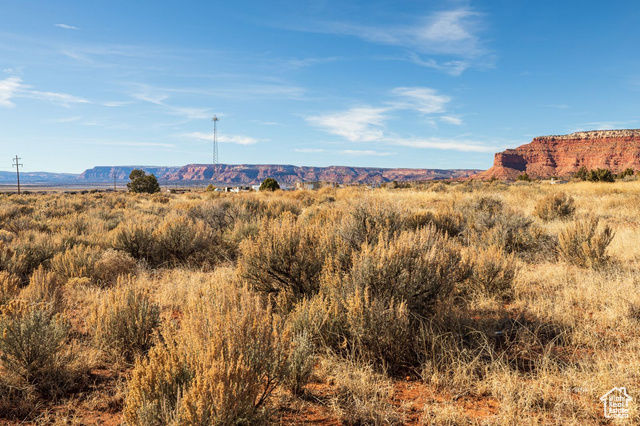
(115, 187)
(215, 120)
(17, 165)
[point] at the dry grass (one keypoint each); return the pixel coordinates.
(520, 295)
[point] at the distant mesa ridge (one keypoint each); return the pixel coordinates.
(242, 174)
(563, 155)
(251, 174)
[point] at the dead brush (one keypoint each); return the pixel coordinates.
(372, 311)
(362, 396)
(220, 367)
(76, 262)
(555, 206)
(124, 321)
(113, 264)
(368, 220)
(283, 258)
(9, 287)
(182, 241)
(136, 238)
(25, 255)
(492, 273)
(417, 268)
(302, 359)
(454, 351)
(33, 351)
(44, 287)
(378, 331)
(581, 243)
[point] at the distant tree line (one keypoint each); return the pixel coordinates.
(601, 175)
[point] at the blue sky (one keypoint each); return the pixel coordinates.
(420, 84)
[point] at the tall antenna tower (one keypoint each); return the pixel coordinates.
(215, 120)
(17, 165)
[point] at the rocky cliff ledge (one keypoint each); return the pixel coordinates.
(562, 155)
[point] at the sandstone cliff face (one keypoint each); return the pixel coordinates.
(249, 174)
(560, 156)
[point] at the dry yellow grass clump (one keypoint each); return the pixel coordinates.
(460, 303)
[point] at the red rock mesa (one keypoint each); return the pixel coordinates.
(560, 156)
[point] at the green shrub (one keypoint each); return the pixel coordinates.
(600, 175)
(626, 172)
(524, 177)
(581, 174)
(555, 206)
(269, 184)
(143, 183)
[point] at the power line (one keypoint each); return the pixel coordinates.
(17, 166)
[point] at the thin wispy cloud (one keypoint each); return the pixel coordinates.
(442, 144)
(558, 106)
(453, 33)
(365, 153)
(238, 139)
(116, 104)
(13, 87)
(224, 138)
(64, 119)
(8, 89)
(231, 90)
(132, 144)
(421, 99)
(606, 125)
(266, 123)
(360, 124)
(309, 150)
(15, 70)
(367, 124)
(299, 63)
(453, 67)
(450, 119)
(67, 27)
(157, 99)
(62, 99)
(190, 113)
